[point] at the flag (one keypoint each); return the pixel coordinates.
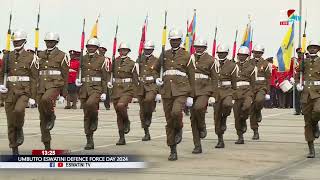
(191, 34)
(143, 35)
(284, 53)
(247, 36)
(94, 31)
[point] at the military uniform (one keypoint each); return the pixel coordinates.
(178, 78)
(53, 79)
(22, 85)
(225, 83)
(124, 84)
(202, 91)
(262, 87)
(147, 90)
(243, 97)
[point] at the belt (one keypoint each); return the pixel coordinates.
(148, 78)
(312, 83)
(125, 80)
(225, 83)
(243, 83)
(50, 72)
(201, 76)
(18, 78)
(174, 72)
(91, 79)
(261, 78)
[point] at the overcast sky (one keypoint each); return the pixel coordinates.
(65, 17)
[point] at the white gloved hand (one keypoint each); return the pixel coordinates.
(3, 89)
(61, 100)
(299, 87)
(292, 80)
(158, 98)
(103, 97)
(211, 100)
(109, 85)
(31, 102)
(78, 82)
(267, 97)
(189, 102)
(159, 82)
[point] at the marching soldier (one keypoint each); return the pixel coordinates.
(20, 89)
(310, 97)
(53, 79)
(178, 77)
(147, 89)
(93, 85)
(102, 51)
(261, 88)
(244, 94)
(202, 88)
(125, 77)
(72, 88)
(225, 72)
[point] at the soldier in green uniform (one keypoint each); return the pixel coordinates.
(244, 94)
(261, 88)
(225, 72)
(124, 82)
(310, 97)
(147, 90)
(203, 90)
(93, 85)
(53, 81)
(20, 88)
(176, 91)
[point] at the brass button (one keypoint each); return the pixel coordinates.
(87, 75)
(310, 75)
(88, 69)
(170, 80)
(16, 62)
(89, 63)
(144, 70)
(308, 87)
(46, 67)
(47, 61)
(310, 69)
(45, 79)
(14, 84)
(119, 67)
(15, 69)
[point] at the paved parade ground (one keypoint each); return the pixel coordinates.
(279, 154)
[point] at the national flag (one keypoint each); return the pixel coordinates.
(284, 53)
(247, 36)
(191, 34)
(94, 31)
(143, 35)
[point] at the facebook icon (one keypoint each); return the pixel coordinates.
(52, 164)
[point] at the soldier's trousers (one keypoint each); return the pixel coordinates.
(46, 106)
(256, 108)
(173, 108)
(241, 111)
(90, 111)
(311, 111)
(147, 104)
(222, 110)
(297, 100)
(198, 113)
(121, 107)
(72, 94)
(15, 111)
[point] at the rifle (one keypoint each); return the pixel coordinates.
(235, 46)
(214, 47)
(36, 41)
(114, 50)
(164, 40)
(6, 60)
(304, 50)
(82, 47)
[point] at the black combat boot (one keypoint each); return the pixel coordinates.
(312, 153)
(47, 145)
(90, 143)
(197, 149)
(15, 151)
(220, 142)
(122, 140)
(240, 139)
(203, 133)
(178, 137)
(146, 135)
(173, 153)
(255, 135)
(20, 136)
(51, 120)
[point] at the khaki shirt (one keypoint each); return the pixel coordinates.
(93, 67)
(148, 67)
(247, 73)
(55, 60)
(177, 85)
(263, 71)
(21, 64)
(311, 73)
